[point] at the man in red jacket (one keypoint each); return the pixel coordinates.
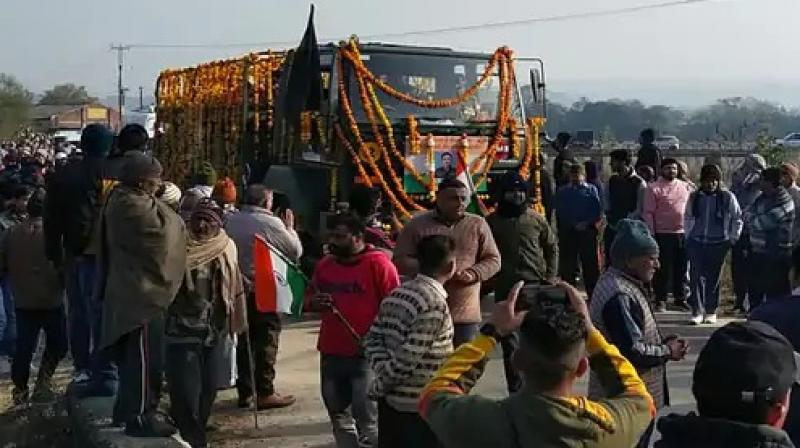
(348, 286)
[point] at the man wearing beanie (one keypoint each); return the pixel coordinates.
(713, 224)
(38, 291)
(72, 210)
(620, 310)
(528, 251)
(663, 210)
(224, 194)
(742, 382)
(195, 340)
(204, 180)
(142, 264)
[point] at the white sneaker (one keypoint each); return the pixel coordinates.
(710, 319)
(80, 377)
(696, 320)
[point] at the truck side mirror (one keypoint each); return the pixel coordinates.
(537, 86)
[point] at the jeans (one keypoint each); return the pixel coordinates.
(705, 268)
(192, 371)
(769, 276)
(575, 245)
(672, 273)
(403, 429)
(345, 382)
(8, 321)
(463, 333)
(85, 319)
(31, 322)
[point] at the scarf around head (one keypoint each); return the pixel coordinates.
(223, 248)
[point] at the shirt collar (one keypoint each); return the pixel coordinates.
(433, 283)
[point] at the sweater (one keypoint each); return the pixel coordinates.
(528, 250)
(475, 250)
(650, 155)
(532, 419)
(769, 223)
(35, 285)
(578, 204)
(410, 339)
(665, 204)
(357, 289)
(794, 192)
(250, 221)
(713, 217)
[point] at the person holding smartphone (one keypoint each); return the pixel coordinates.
(620, 310)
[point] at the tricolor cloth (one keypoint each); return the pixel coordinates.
(462, 174)
(279, 284)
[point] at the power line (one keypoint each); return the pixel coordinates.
(482, 26)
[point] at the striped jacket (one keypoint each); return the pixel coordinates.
(409, 340)
(769, 221)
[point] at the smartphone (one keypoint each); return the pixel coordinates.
(542, 299)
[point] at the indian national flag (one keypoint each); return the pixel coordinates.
(462, 173)
(279, 283)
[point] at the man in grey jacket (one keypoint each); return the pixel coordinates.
(255, 218)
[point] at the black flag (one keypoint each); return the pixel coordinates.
(305, 76)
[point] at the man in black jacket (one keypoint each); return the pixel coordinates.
(648, 154)
(563, 160)
(74, 200)
(625, 187)
(742, 382)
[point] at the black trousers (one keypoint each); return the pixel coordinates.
(740, 273)
(265, 332)
(769, 276)
(192, 375)
(138, 356)
(510, 344)
(608, 237)
(671, 276)
(29, 324)
(575, 245)
(403, 429)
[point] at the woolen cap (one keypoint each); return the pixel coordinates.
(139, 167)
(633, 239)
(745, 362)
(225, 191)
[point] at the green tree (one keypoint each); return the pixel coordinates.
(15, 105)
(773, 154)
(67, 94)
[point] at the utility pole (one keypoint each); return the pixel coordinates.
(141, 98)
(121, 49)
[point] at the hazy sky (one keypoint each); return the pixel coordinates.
(724, 42)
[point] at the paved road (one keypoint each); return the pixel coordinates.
(306, 425)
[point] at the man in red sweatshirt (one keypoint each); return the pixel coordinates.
(348, 286)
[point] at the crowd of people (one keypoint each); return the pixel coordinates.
(161, 297)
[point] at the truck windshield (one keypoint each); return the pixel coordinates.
(433, 77)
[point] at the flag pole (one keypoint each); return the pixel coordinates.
(252, 372)
(346, 323)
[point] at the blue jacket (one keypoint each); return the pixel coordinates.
(713, 217)
(578, 204)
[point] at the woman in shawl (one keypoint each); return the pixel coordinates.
(209, 306)
(142, 261)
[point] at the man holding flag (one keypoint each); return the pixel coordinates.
(477, 257)
(255, 223)
(348, 286)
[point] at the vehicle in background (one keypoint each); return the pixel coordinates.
(792, 140)
(667, 143)
(583, 139)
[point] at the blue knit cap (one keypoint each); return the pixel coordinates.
(633, 240)
(96, 140)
